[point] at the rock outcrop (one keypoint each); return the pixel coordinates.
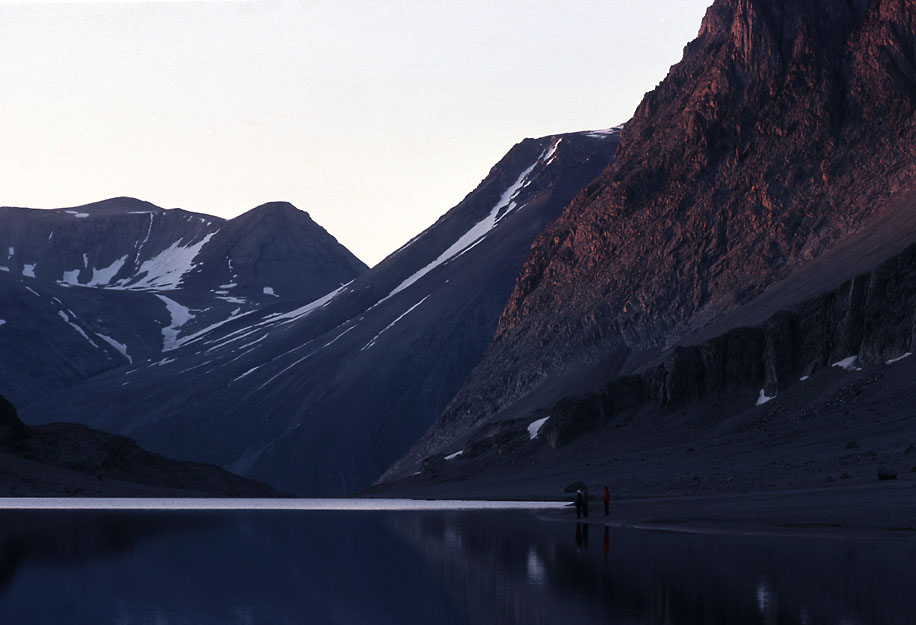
(870, 320)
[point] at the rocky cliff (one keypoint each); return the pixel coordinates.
(786, 130)
(867, 321)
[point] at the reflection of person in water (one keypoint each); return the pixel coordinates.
(606, 544)
(585, 535)
(585, 503)
(579, 504)
(578, 536)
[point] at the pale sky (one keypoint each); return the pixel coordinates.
(374, 116)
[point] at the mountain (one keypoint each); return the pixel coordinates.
(65, 459)
(774, 162)
(319, 395)
(88, 289)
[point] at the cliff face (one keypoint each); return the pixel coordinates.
(786, 128)
(869, 320)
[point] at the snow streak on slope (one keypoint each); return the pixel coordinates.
(390, 325)
(476, 234)
(121, 347)
(310, 307)
(66, 318)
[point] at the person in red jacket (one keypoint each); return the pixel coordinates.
(606, 498)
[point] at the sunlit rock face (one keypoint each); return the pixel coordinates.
(783, 137)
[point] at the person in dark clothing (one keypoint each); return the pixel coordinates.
(585, 503)
(579, 504)
(606, 498)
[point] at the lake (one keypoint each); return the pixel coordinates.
(428, 563)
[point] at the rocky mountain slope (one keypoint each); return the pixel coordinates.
(65, 459)
(774, 162)
(92, 288)
(319, 396)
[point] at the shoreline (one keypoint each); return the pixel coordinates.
(887, 512)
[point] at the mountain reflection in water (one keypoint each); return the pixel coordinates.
(432, 567)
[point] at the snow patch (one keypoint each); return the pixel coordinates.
(121, 347)
(2, 322)
(105, 275)
(764, 398)
(4, 269)
(534, 428)
(849, 364)
(269, 291)
(390, 325)
(551, 153)
(29, 270)
(180, 315)
(12, 251)
(803, 378)
(604, 133)
(77, 214)
(454, 455)
(166, 269)
(899, 358)
(70, 277)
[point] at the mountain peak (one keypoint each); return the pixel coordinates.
(277, 208)
(116, 205)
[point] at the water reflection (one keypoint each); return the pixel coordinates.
(664, 578)
(431, 567)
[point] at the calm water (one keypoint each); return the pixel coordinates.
(432, 566)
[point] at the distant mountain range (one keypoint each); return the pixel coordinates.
(319, 395)
(88, 289)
